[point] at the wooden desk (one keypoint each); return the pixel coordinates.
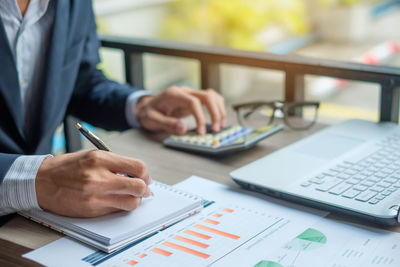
(20, 235)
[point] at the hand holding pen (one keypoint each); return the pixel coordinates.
(99, 144)
(85, 183)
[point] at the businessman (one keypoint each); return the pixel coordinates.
(49, 57)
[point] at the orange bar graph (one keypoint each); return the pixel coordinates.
(211, 222)
(142, 256)
(215, 231)
(161, 251)
(190, 241)
(132, 262)
(228, 210)
(187, 250)
(217, 215)
(196, 234)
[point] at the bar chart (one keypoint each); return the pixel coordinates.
(202, 240)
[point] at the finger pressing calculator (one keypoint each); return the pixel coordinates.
(226, 141)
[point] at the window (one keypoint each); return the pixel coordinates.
(348, 30)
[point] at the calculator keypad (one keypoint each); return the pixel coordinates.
(225, 137)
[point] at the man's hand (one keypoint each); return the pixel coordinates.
(86, 184)
(163, 111)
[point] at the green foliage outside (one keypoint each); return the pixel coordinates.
(233, 23)
(333, 3)
(329, 3)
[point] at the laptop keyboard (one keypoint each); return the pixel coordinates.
(369, 180)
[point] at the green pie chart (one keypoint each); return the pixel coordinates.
(309, 239)
(268, 264)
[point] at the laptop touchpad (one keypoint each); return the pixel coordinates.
(328, 146)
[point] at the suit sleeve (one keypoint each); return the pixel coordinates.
(6, 160)
(96, 99)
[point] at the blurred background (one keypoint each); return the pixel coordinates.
(364, 31)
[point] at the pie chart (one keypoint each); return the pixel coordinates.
(268, 264)
(307, 240)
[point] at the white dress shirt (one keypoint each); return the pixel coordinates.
(28, 37)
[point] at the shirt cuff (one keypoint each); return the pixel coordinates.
(17, 191)
(130, 107)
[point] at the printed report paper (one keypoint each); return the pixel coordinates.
(240, 229)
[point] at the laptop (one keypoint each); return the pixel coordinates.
(352, 168)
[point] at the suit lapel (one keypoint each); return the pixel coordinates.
(9, 86)
(50, 102)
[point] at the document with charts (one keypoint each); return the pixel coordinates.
(238, 229)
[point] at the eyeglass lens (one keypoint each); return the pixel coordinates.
(301, 117)
(297, 117)
(255, 117)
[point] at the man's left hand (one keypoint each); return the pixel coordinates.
(163, 111)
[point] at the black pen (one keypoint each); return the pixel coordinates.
(97, 142)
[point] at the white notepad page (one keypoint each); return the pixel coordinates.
(166, 204)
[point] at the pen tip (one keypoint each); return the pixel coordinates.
(78, 125)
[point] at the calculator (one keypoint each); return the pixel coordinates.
(230, 139)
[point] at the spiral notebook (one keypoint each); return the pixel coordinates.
(117, 230)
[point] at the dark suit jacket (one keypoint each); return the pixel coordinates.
(71, 84)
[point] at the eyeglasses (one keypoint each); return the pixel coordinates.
(296, 115)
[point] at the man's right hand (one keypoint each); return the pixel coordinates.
(86, 184)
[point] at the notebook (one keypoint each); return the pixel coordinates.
(114, 231)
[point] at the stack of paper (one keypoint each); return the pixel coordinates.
(113, 231)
